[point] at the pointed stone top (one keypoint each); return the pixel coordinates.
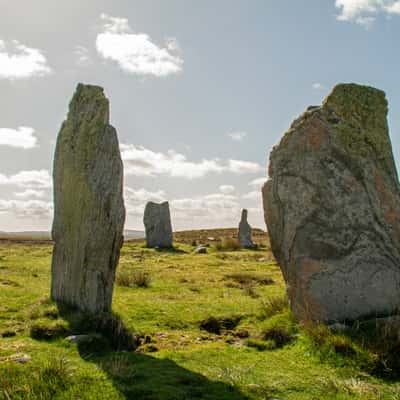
(348, 98)
(244, 215)
(89, 103)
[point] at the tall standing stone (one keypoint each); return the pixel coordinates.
(89, 210)
(157, 223)
(244, 232)
(332, 207)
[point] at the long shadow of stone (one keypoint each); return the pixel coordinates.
(110, 345)
(142, 377)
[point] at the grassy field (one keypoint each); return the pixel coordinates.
(210, 326)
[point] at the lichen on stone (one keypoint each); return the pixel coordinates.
(360, 113)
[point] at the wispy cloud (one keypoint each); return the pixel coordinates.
(30, 193)
(22, 137)
(141, 161)
(364, 12)
(33, 179)
(136, 53)
(226, 189)
(82, 56)
(237, 136)
(143, 195)
(318, 86)
(258, 182)
(253, 195)
(37, 209)
(18, 61)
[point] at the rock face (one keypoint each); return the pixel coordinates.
(89, 211)
(332, 208)
(244, 232)
(157, 222)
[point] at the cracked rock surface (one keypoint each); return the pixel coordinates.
(89, 212)
(332, 207)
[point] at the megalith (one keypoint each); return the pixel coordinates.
(157, 223)
(89, 212)
(244, 232)
(332, 208)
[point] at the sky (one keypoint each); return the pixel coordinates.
(200, 92)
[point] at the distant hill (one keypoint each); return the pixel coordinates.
(27, 235)
(132, 234)
(45, 235)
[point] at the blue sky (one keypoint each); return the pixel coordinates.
(200, 92)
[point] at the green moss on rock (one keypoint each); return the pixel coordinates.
(360, 116)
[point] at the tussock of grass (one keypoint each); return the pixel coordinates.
(281, 329)
(247, 278)
(42, 381)
(273, 305)
(44, 329)
(261, 345)
(370, 347)
(133, 279)
(227, 244)
(217, 325)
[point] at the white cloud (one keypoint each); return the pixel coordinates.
(258, 182)
(243, 167)
(226, 189)
(318, 86)
(135, 53)
(82, 56)
(27, 209)
(23, 137)
(33, 179)
(253, 195)
(394, 8)
(143, 195)
(363, 12)
(18, 61)
(140, 161)
(136, 199)
(216, 207)
(29, 193)
(237, 136)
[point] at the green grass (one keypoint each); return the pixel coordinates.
(259, 353)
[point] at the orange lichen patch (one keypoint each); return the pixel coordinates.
(317, 132)
(304, 306)
(389, 202)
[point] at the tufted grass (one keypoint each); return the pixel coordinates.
(259, 352)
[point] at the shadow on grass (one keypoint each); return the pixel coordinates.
(138, 376)
(142, 377)
(174, 250)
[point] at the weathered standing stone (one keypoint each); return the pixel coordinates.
(89, 211)
(157, 223)
(332, 207)
(244, 232)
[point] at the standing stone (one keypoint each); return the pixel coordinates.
(244, 232)
(157, 223)
(89, 211)
(332, 207)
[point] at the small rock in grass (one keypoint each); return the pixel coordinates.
(201, 250)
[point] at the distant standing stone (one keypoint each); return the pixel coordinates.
(244, 232)
(332, 207)
(157, 223)
(89, 211)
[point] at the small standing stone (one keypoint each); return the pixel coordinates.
(157, 223)
(244, 233)
(89, 210)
